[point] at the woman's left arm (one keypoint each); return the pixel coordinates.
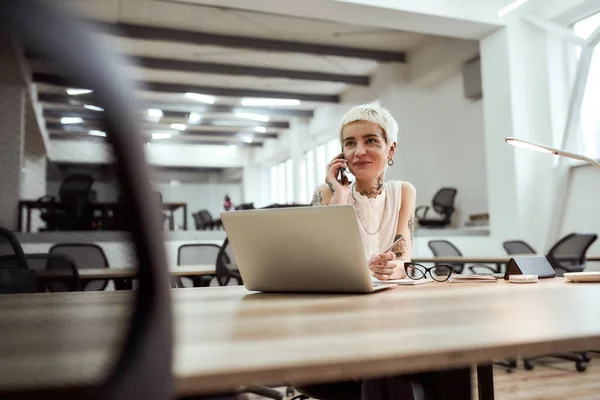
(405, 229)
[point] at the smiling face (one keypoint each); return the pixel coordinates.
(366, 149)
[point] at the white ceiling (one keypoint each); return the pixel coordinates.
(233, 22)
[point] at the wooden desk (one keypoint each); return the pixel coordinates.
(227, 336)
(103, 207)
(461, 260)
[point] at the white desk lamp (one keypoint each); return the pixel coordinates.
(545, 149)
(572, 276)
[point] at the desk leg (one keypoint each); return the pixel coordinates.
(485, 382)
(185, 217)
(171, 220)
(28, 219)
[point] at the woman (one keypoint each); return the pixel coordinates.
(385, 210)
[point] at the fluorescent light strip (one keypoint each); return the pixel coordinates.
(93, 108)
(260, 129)
(254, 117)
(71, 120)
(158, 136)
(203, 98)
(179, 127)
(76, 91)
(270, 102)
(194, 118)
(248, 139)
(511, 7)
(155, 113)
(97, 133)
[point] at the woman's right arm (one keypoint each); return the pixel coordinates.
(332, 192)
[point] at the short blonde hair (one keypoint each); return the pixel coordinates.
(372, 113)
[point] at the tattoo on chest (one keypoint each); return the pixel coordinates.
(401, 248)
(317, 199)
(411, 225)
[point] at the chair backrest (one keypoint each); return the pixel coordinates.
(517, 247)
(75, 191)
(68, 281)
(443, 201)
(226, 268)
(245, 206)
(443, 248)
(570, 251)
(17, 280)
(196, 254)
(11, 252)
(85, 255)
(140, 367)
(76, 186)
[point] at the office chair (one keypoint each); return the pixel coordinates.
(15, 276)
(226, 268)
(194, 254)
(85, 255)
(141, 367)
(444, 248)
(515, 247)
(442, 204)
(69, 280)
(76, 213)
(568, 255)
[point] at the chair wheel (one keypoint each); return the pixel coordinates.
(581, 366)
(528, 365)
(289, 391)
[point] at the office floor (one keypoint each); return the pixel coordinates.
(551, 379)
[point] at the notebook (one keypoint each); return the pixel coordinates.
(473, 279)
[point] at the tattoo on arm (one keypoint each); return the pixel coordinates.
(317, 199)
(411, 225)
(401, 248)
(330, 186)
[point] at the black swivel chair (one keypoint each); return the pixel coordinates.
(444, 248)
(76, 212)
(15, 276)
(226, 268)
(566, 255)
(442, 204)
(515, 247)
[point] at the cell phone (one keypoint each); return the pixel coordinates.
(343, 178)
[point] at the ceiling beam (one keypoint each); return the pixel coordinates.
(164, 87)
(164, 64)
(186, 108)
(98, 120)
(61, 136)
(145, 32)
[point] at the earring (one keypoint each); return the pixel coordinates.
(390, 162)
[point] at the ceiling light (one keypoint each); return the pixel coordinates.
(248, 139)
(160, 135)
(93, 108)
(194, 118)
(511, 7)
(155, 113)
(260, 129)
(255, 117)
(174, 183)
(201, 97)
(270, 102)
(232, 146)
(179, 127)
(94, 132)
(75, 91)
(71, 120)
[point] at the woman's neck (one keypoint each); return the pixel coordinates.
(370, 188)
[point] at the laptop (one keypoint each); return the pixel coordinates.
(300, 249)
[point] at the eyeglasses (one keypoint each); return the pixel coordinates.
(439, 272)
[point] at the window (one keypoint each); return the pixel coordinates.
(589, 118)
(309, 158)
(289, 181)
